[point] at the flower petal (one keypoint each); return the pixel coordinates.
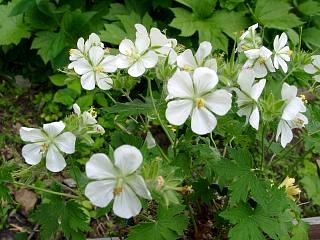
(245, 80)
(218, 101)
(54, 128)
(82, 66)
(255, 118)
(283, 40)
(186, 60)
(309, 68)
(88, 119)
(123, 61)
(142, 43)
(87, 81)
(32, 153)
(288, 92)
(141, 30)
(260, 70)
(127, 158)
(257, 89)
(286, 133)
(292, 108)
(109, 64)
(149, 59)
(204, 79)
(100, 167)
(137, 69)
(104, 82)
(158, 39)
(66, 142)
(178, 111)
(212, 64)
(100, 193)
(126, 204)
(96, 55)
(76, 109)
(126, 47)
(180, 85)
(202, 121)
(136, 182)
(203, 51)
(31, 134)
(54, 160)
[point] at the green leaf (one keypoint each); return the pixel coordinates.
(65, 96)
(113, 33)
(49, 44)
(310, 36)
(203, 9)
(59, 215)
(85, 101)
(311, 184)
(133, 108)
(310, 8)
(12, 28)
(275, 14)
(210, 29)
(22, 6)
(58, 79)
(169, 225)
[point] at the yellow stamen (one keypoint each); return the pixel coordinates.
(291, 190)
(98, 69)
(117, 191)
(303, 98)
(93, 112)
(200, 102)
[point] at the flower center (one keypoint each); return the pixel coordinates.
(299, 122)
(98, 69)
(199, 102)
(44, 148)
(93, 112)
(262, 60)
(117, 191)
(303, 98)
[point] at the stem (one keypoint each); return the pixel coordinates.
(112, 99)
(44, 190)
(262, 144)
(175, 143)
(163, 154)
(288, 74)
(157, 113)
(193, 220)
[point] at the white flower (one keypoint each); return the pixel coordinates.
(162, 45)
(196, 97)
(248, 96)
(281, 52)
(94, 69)
(118, 181)
(136, 56)
(88, 119)
(187, 62)
(291, 116)
(314, 67)
(249, 39)
(83, 48)
(49, 142)
(260, 61)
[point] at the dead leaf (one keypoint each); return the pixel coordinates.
(26, 198)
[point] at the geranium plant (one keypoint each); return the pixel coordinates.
(198, 130)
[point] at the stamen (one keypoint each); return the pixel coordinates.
(117, 191)
(200, 102)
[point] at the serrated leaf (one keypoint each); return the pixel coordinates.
(22, 6)
(310, 36)
(169, 225)
(49, 44)
(65, 96)
(310, 8)
(275, 14)
(58, 79)
(13, 28)
(133, 108)
(212, 28)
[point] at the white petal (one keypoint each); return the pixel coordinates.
(158, 38)
(104, 82)
(87, 81)
(285, 131)
(137, 184)
(54, 160)
(100, 193)
(123, 61)
(316, 60)
(76, 109)
(255, 118)
(288, 92)
(109, 64)
(257, 89)
(88, 119)
(316, 78)
(276, 43)
(149, 59)
(141, 30)
(283, 40)
(126, 47)
(246, 79)
(202, 121)
(260, 70)
(80, 44)
(292, 108)
(96, 55)
(137, 69)
(142, 43)
(100, 167)
(204, 79)
(309, 68)
(186, 60)
(82, 66)
(127, 158)
(276, 61)
(54, 128)
(180, 85)
(269, 65)
(252, 53)
(31, 134)
(203, 51)
(218, 102)
(66, 142)
(178, 111)
(32, 153)
(283, 65)
(126, 204)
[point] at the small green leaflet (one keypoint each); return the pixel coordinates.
(61, 215)
(214, 28)
(12, 28)
(275, 14)
(169, 225)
